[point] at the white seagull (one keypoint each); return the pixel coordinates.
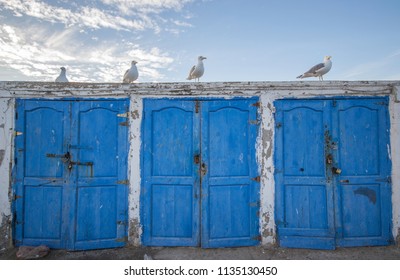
(131, 74)
(62, 78)
(318, 70)
(197, 70)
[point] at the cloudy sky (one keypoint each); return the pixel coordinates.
(243, 40)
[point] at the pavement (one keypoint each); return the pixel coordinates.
(242, 253)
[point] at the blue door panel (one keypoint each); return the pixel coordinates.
(42, 216)
(227, 218)
(79, 201)
(170, 190)
(199, 152)
(304, 199)
(364, 184)
(230, 193)
(317, 207)
(172, 202)
(40, 173)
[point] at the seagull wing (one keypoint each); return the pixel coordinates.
(125, 76)
(191, 72)
(315, 68)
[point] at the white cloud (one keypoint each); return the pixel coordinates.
(39, 56)
(384, 68)
(146, 6)
(136, 15)
(84, 16)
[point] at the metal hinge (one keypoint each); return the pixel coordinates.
(15, 197)
(257, 104)
(197, 106)
(122, 239)
(18, 133)
(257, 179)
(385, 180)
(258, 238)
(123, 182)
(124, 124)
(254, 122)
(254, 204)
(123, 115)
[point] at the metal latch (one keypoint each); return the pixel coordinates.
(123, 115)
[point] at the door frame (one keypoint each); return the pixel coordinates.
(336, 232)
(200, 230)
(18, 169)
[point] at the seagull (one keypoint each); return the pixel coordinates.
(62, 78)
(318, 70)
(131, 74)
(197, 70)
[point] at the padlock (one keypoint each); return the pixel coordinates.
(336, 170)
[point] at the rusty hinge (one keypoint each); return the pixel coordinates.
(257, 104)
(15, 197)
(124, 123)
(258, 238)
(123, 239)
(257, 179)
(123, 182)
(254, 122)
(18, 133)
(196, 159)
(123, 115)
(254, 204)
(197, 106)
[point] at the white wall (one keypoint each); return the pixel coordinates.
(6, 140)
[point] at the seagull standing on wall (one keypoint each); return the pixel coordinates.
(197, 70)
(131, 74)
(62, 78)
(318, 70)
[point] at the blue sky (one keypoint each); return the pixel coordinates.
(249, 40)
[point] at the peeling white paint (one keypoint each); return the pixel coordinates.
(6, 151)
(268, 93)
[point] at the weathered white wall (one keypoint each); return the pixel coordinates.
(268, 93)
(394, 109)
(6, 140)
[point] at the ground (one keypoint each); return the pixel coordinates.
(243, 253)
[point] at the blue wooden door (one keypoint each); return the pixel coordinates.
(171, 180)
(332, 173)
(363, 188)
(199, 155)
(70, 185)
(230, 191)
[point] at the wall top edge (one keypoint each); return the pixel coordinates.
(18, 88)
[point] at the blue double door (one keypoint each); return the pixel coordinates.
(333, 168)
(200, 183)
(70, 186)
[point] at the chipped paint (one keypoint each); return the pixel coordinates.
(268, 93)
(5, 231)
